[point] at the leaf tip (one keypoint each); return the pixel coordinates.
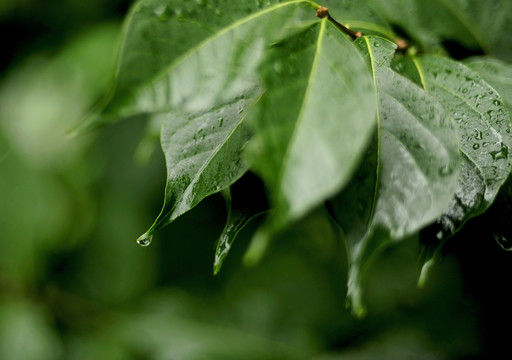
(257, 248)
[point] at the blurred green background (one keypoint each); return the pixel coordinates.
(74, 284)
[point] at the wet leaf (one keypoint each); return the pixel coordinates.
(245, 207)
(484, 135)
(484, 138)
(314, 121)
(202, 100)
(409, 173)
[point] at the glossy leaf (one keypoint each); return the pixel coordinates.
(245, 207)
(484, 140)
(484, 135)
(203, 99)
(160, 34)
(314, 121)
(410, 171)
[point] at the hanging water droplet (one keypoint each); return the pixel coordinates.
(145, 240)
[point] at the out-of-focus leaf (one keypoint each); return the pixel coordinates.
(473, 23)
(43, 97)
(26, 332)
(410, 173)
(484, 127)
(313, 123)
(496, 73)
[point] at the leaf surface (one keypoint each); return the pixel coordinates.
(314, 121)
(203, 99)
(410, 170)
(496, 73)
(484, 127)
(484, 135)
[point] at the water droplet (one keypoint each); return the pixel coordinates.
(465, 91)
(278, 67)
(162, 13)
(476, 146)
(478, 134)
(145, 240)
(220, 121)
(376, 44)
(496, 102)
(501, 154)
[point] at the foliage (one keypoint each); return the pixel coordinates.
(326, 150)
(291, 99)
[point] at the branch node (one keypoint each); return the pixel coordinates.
(322, 12)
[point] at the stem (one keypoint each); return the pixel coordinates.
(322, 12)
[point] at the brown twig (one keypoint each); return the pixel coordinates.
(322, 12)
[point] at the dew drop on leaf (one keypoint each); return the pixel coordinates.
(162, 13)
(501, 154)
(145, 240)
(476, 146)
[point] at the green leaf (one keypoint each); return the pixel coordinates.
(160, 34)
(314, 121)
(245, 207)
(409, 174)
(484, 135)
(496, 73)
(474, 24)
(202, 100)
(484, 140)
